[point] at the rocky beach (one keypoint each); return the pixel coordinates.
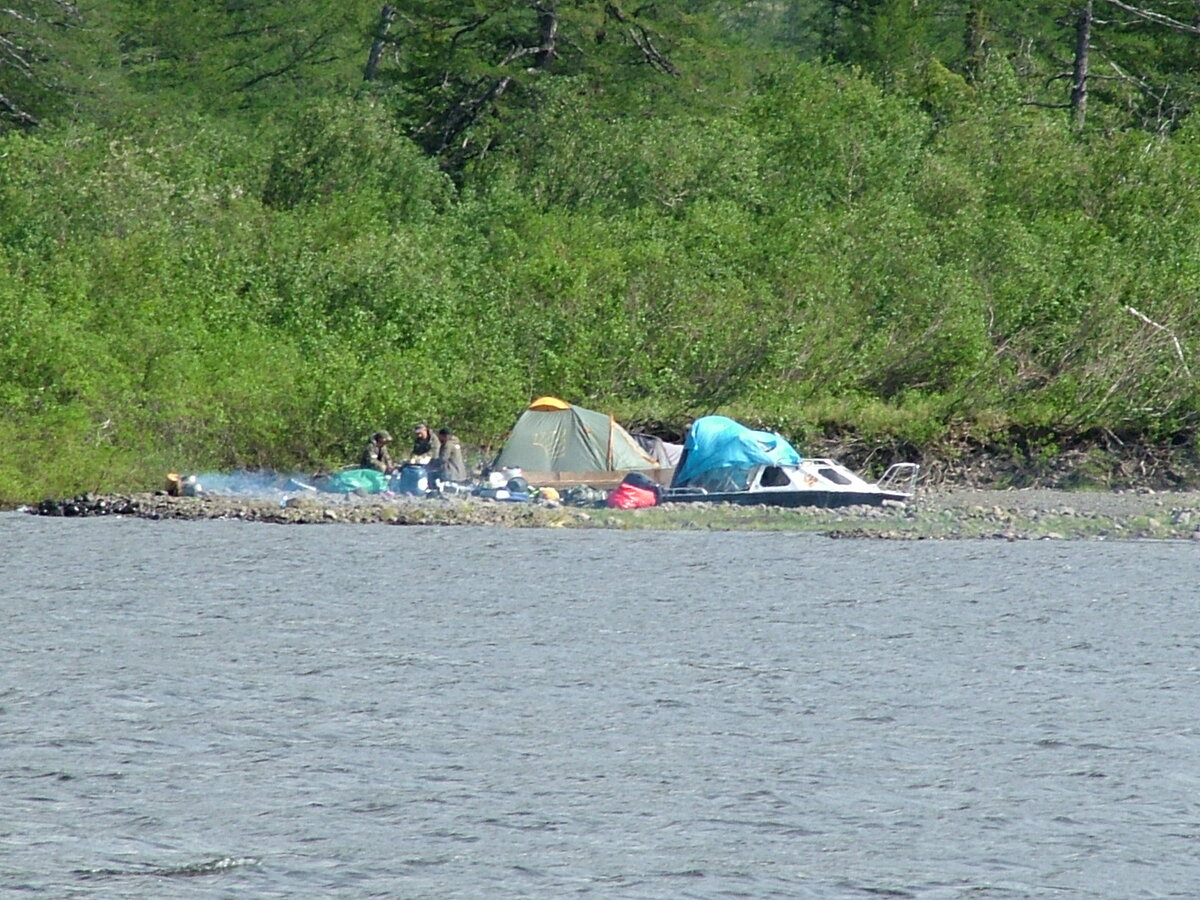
(934, 514)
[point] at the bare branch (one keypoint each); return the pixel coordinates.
(304, 54)
(546, 51)
(1156, 17)
(10, 110)
(1170, 334)
(26, 52)
(642, 40)
(466, 29)
(519, 52)
(464, 113)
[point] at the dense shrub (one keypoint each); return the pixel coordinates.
(827, 258)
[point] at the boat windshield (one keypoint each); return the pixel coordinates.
(773, 476)
(718, 480)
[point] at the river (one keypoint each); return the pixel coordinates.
(222, 709)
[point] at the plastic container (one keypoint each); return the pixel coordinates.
(414, 479)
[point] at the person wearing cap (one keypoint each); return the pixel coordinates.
(450, 457)
(425, 443)
(375, 455)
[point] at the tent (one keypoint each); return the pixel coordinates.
(557, 443)
(664, 451)
(719, 447)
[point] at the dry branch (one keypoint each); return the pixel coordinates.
(1170, 334)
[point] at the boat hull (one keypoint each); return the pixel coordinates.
(792, 499)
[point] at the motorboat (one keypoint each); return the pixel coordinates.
(822, 483)
(723, 461)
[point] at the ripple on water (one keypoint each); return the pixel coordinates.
(274, 712)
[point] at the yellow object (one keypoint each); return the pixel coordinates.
(173, 484)
(548, 493)
(545, 404)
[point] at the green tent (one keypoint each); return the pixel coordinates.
(556, 443)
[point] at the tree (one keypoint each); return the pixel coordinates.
(886, 37)
(260, 55)
(1138, 60)
(1079, 71)
(42, 60)
(1159, 58)
(802, 27)
(1122, 62)
(459, 72)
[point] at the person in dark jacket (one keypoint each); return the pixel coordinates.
(450, 457)
(425, 443)
(375, 455)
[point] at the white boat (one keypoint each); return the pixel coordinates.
(815, 482)
(723, 461)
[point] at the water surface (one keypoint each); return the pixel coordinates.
(218, 709)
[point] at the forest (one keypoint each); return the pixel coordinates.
(248, 233)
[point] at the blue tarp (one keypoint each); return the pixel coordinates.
(717, 442)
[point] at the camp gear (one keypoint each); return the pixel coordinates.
(635, 491)
(348, 481)
(413, 479)
(716, 443)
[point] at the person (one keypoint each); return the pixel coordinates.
(450, 457)
(425, 443)
(375, 455)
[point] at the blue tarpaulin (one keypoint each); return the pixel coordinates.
(718, 442)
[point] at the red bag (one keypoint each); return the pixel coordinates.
(628, 496)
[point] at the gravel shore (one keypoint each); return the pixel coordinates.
(941, 513)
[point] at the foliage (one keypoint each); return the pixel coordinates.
(253, 57)
(338, 148)
(465, 75)
(53, 62)
(201, 268)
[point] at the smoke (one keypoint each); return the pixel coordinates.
(249, 485)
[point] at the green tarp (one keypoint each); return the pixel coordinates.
(351, 480)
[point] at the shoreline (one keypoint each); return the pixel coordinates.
(933, 514)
